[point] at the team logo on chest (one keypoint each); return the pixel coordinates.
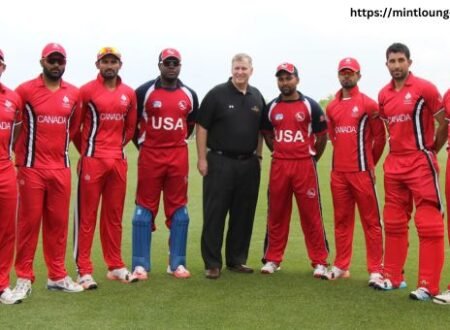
(123, 100)
(300, 116)
(182, 105)
(66, 102)
(157, 104)
(8, 106)
(408, 98)
(279, 117)
(355, 111)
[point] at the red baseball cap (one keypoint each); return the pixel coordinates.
(286, 67)
(2, 57)
(349, 63)
(108, 51)
(52, 48)
(168, 53)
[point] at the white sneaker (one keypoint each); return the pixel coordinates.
(140, 273)
(87, 282)
(270, 267)
(65, 284)
(121, 274)
(420, 294)
(443, 298)
(375, 278)
(22, 289)
(336, 273)
(8, 298)
(386, 284)
(180, 272)
(319, 271)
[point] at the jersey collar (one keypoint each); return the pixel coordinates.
(353, 92)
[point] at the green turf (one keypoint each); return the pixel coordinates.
(290, 298)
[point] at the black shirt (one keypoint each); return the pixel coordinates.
(231, 118)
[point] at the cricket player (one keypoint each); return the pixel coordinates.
(444, 297)
(44, 177)
(108, 119)
(410, 106)
(10, 106)
(166, 114)
(294, 128)
(358, 137)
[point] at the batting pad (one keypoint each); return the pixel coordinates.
(142, 237)
(178, 238)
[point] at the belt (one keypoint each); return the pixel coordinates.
(233, 155)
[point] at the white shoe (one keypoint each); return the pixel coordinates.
(375, 278)
(121, 274)
(140, 273)
(22, 289)
(65, 284)
(87, 282)
(8, 298)
(180, 272)
(319, 271)
(420, 294)
(270, 267)
(386, 284)
(336, 273)
(443, 298)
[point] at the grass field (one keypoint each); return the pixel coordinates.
(290, 298)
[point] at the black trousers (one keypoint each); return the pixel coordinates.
(230, 187)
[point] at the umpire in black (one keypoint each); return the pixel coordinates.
(229, 154)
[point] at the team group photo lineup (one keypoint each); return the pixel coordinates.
(233, 126)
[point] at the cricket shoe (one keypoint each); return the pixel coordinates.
(140, 273)
(180, 272)
(386, 285)
(22, 289)
(122, 275)
(7, 297)
(65, 284)
(420, 294)
(270, 267)
(336, 273)
(87, 282)
(374, 278)
(319, 271)
(443, 298)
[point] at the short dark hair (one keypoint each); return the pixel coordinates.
(398, 47)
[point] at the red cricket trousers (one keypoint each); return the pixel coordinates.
(8, 209)
(350, 189)
(296, 177)
(44, 197)
(102, 179)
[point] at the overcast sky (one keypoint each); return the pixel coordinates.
(312, 34)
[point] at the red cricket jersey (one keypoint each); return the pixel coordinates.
(46, 126)
(10, 106)
(409, 114)
(294, 124)
(447, 112)
(108, 119)
(165, 114)
(357, 133)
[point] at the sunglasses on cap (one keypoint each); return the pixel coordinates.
(168, 63)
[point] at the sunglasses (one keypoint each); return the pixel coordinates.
(59, 61)
(168, 63)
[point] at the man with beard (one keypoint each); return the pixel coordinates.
(43, 174)
(108, 118)
(410, 105)
(229, 154)
(294, 128)
(10, 106)
(166, 112)
(358, 138)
